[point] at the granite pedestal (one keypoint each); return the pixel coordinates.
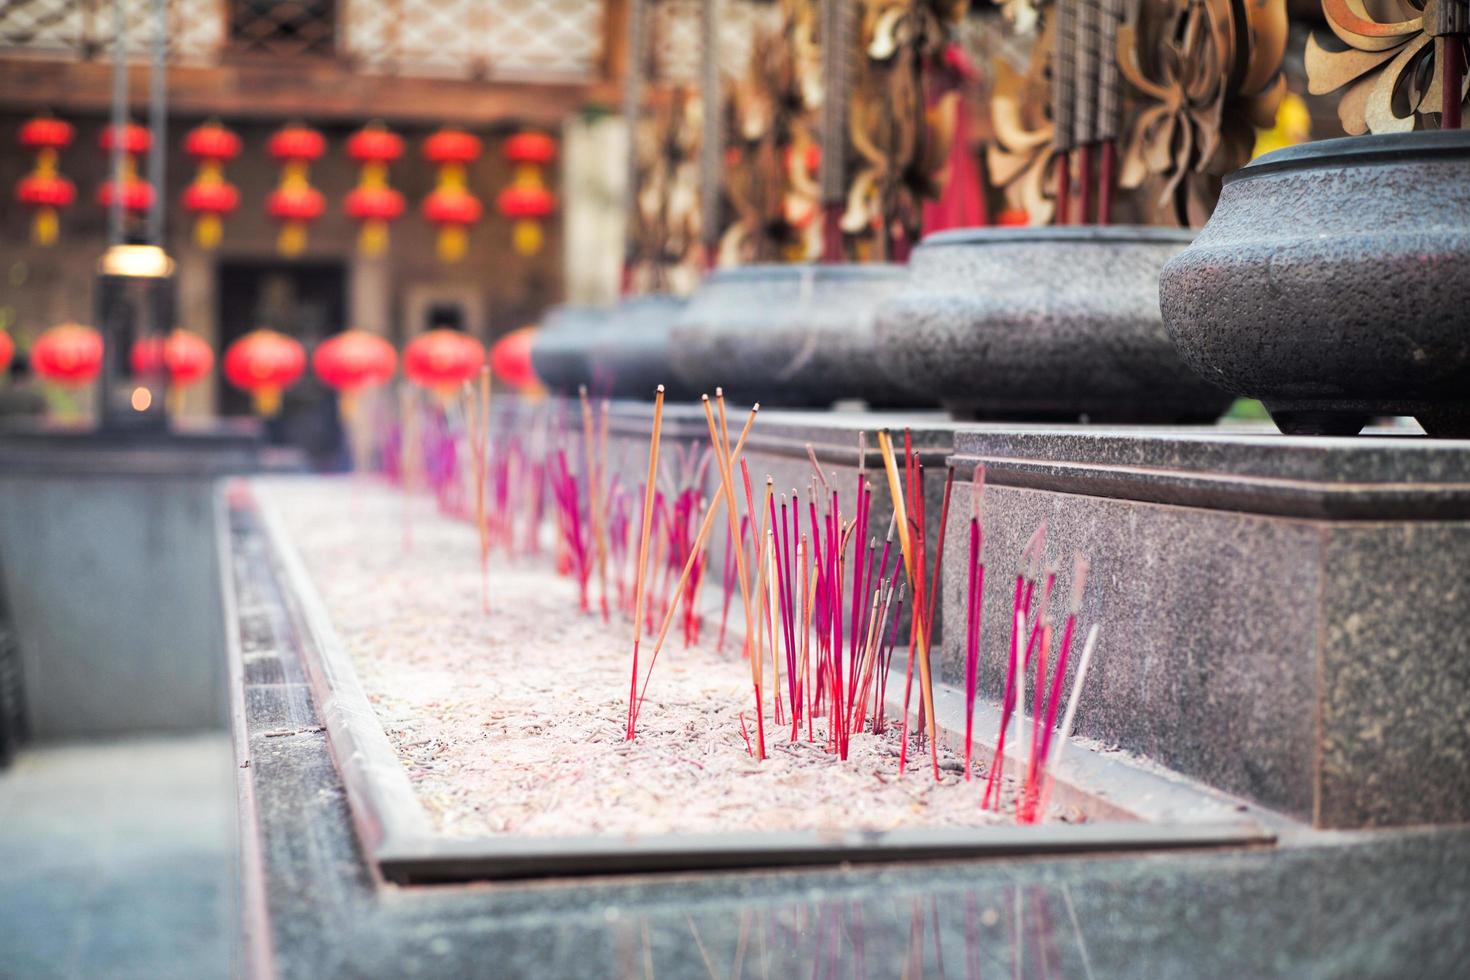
(1282, 618)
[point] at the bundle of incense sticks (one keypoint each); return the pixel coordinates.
(793, 561)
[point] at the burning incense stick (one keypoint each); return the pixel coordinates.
(1053, 760)
(727, 480)
(885, 443)
(648, 492)
(975, 607)
(594, 500)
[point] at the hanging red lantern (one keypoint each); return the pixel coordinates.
(69, 354)
(264, 363)
(510, 359)
(294, 202)
(44, 190)
(186, 358)
(7, 351)
(210, 197)
(354, 359)
(450, 205)
(527, 202)
(372, 202)
(443, 360)
(135, 192)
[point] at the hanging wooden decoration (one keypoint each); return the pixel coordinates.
(294, 202)
(772, 155)
(210, 197)
(1391, 67)
(903, 147)
(1208, 79)
(44, 190)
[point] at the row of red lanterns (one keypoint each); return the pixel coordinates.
(265, 362)
(294, 203)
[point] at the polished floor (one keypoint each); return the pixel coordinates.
(117, 860)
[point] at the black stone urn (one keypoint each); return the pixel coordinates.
(798, 336)
(560, 348)
(629, 354)
(1044, 324)
(1333, 283)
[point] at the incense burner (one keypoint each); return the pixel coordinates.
(1332, 284)
(1047, 323)
(629, 356)
(788, 335)
(560, 348)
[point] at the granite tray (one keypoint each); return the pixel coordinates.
(1129, 807)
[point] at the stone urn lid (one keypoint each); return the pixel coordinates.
(1045, 323)
(788, 335)
(1332, 283)
(560, 348)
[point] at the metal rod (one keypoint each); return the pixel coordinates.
(119, 118)
(711, 151)
(1452, 81)
(158, 120)
(632, 104)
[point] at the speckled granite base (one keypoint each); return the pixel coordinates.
(1283, 618)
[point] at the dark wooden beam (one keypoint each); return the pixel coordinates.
(308, 89)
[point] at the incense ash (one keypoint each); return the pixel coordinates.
(516, 722)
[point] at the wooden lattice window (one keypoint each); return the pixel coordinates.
(284, 27)
(559, 39)
(676, 51)
(85, 28)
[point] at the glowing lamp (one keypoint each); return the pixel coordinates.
(264, 363)
(7, 351)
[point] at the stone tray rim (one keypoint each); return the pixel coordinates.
(1367, 150)
(399, 841)
(1062, 235)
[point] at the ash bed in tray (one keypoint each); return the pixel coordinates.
(488, 746)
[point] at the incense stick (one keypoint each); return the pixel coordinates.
(648, 492)
(901, 520)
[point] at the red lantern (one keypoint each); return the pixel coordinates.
(135, 192)
(44, 190)
(294, 202)
(450, 205)
(443, 359)
(510, 359)
(7, 351)
(354, 359)
(210, 196)
(69, 354)
(527, 202)
(372, 202)
(264, 363)
(185, 357)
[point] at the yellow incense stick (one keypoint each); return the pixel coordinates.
(658, 419)
(885, 443)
